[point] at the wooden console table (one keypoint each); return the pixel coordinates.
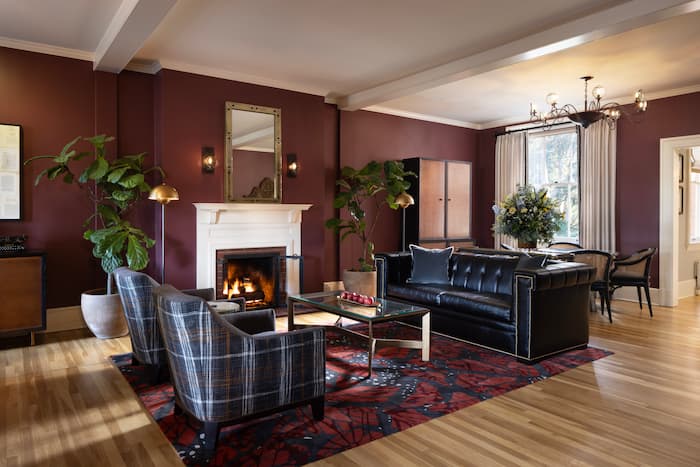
(23, 292)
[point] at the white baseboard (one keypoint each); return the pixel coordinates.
(630, 294)
(64, 319)
(686, 288)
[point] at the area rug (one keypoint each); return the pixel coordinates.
(403, 391)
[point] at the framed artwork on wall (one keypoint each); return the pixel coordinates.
(10, 172)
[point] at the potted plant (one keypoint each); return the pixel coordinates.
(114, 186)
(376, 184)
(528, 215)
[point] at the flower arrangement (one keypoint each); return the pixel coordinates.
(528, 215)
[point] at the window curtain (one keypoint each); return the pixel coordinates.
(510, 172)
(597, 217)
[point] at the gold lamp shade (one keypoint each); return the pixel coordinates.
(405, 200)
(164, 194)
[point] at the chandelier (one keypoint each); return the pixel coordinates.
(592, 111)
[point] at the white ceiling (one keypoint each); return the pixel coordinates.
(469, 63)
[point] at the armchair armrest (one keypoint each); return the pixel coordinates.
(252, 322)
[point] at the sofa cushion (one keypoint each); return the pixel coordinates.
(424, 294)
(430, 265)
(484, 273)
(532, 262)
(484, 304)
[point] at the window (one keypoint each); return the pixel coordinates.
(552, 163)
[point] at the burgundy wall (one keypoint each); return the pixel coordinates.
(172, 115)
(56, 99)
(637, 193)
(366, 136)
(486, 189)
(53, 99)
(190, 114)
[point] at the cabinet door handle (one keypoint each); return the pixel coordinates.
(449, 199)
(439, 199)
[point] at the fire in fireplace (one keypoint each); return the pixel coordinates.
(251, 274)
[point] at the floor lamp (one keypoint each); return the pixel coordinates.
(404, 200)
(163, 194)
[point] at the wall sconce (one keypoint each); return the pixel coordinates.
(208, 159)
(292, 165)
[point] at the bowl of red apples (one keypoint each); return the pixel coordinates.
(358, 299)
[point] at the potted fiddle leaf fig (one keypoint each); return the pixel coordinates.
(374, 184)
(114, 186)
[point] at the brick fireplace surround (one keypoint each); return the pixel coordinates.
(231, 226)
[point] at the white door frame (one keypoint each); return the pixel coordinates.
(668, 216)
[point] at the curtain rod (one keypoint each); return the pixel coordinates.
(501, 133)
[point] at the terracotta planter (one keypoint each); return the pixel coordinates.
(526, 244)
(364, 283)
(103, 314)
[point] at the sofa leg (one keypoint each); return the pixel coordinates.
(318, 407)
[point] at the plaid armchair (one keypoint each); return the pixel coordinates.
(136, 293)
(226, 370)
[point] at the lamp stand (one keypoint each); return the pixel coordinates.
(403, 229)
(162, 243)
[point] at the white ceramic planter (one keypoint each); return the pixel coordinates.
(103, 314)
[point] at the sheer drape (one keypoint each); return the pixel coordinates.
(510, 172)
(597, 216)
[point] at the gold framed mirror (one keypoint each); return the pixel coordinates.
(253, 153)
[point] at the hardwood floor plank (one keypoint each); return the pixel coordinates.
(63, 404)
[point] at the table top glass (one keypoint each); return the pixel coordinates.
(385, 309)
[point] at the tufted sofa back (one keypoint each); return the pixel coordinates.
(483, 273)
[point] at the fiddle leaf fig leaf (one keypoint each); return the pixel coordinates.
(97, 169)
(136, 254)
(132, 181)
(116, 174)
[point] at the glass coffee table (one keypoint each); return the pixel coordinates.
(386, 310)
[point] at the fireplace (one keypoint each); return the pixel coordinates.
(256, 274)
(249, 228)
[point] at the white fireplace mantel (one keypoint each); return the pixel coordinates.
(223, 226)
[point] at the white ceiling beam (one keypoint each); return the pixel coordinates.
(132, 24)
(621, 18)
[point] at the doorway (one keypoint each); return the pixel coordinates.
(672, 177)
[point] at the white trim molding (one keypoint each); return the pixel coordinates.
(222, 226)
(669, 241)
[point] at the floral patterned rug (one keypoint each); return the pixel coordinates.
(403, 391)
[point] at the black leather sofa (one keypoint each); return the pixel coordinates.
(500, 301)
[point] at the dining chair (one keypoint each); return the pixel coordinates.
(505, 246)
(564, 246)
(602, 261)
(633, 271)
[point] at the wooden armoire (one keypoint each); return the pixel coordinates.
(443, 194)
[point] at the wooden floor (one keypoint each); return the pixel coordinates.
(63, 404)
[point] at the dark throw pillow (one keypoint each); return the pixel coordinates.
(430, 265)
(531, 262)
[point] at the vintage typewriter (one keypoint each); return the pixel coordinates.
(12, 243)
